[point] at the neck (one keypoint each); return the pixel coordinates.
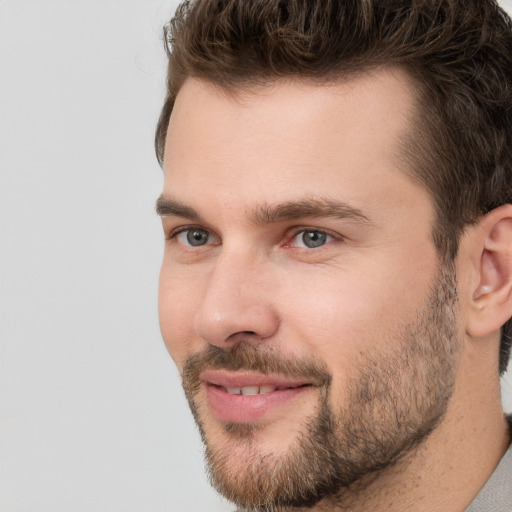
(449, 468)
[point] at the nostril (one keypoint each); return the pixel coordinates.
(240, 336)
(231, 322)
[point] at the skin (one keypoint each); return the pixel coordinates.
(227, 155)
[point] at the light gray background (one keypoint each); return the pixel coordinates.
(92, 414)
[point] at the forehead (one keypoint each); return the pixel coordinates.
(288, 136)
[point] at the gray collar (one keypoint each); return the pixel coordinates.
(496, 495)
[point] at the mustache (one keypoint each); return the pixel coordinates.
(252, 357)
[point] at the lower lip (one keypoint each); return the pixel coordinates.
(248, 408)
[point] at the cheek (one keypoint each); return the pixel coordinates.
(337, 319)
(177, 304)
(340, 317)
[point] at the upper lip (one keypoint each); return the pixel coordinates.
(243, 379)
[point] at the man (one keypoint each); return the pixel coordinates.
(336, 288)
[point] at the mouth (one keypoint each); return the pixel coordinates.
(259, 390)
(250, 398)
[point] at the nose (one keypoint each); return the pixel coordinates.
(237, 304)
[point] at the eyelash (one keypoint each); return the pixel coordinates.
(291, 235)
(304, 230)
(184, 229)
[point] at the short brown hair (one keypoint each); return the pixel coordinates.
(458, 53)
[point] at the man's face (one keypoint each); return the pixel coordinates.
(301, 295)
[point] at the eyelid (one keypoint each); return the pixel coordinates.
(173, 233)
(182, 229)
(289, 236)
(300, 229)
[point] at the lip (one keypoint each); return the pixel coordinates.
(241, 408)
(242, 379)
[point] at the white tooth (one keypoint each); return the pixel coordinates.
(233, 391)
(250, 390)
(267, 389)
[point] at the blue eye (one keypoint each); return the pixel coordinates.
(193, 237)
(311, 239)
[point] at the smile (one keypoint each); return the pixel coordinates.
(257, 390)
(249, 398)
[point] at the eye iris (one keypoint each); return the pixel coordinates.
(313, 239)
(196, 237)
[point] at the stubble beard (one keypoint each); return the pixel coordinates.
(395, 400)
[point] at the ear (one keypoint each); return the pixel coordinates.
(491, 304)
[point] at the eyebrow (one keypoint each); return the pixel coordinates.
(272, 214)
(312, 208)
(166, 206)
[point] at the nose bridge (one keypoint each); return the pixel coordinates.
(236, 300)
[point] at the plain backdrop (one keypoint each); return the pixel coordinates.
(92, 414)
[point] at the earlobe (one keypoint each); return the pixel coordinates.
(491, 304)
